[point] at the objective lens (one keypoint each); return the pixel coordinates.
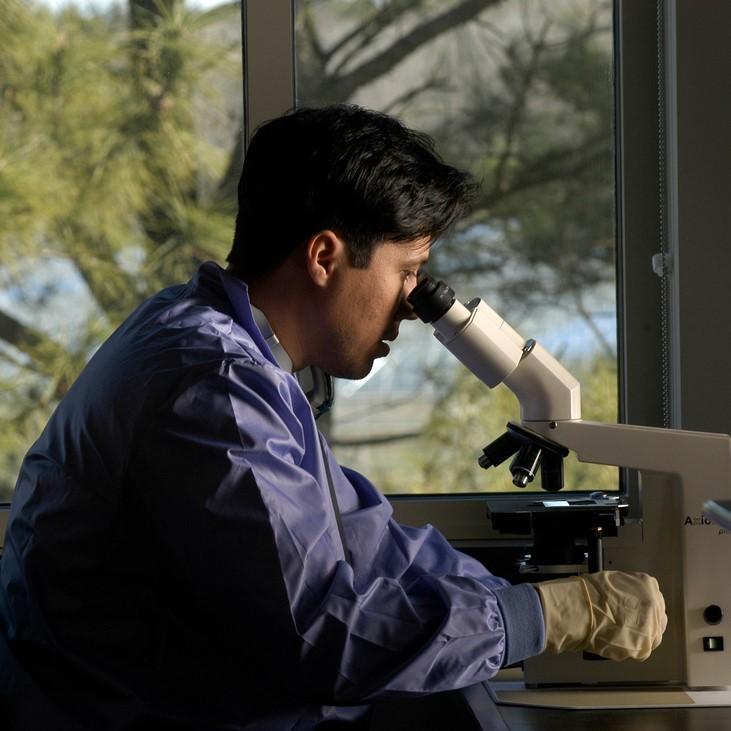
(526, 463)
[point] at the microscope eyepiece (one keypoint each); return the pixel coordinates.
(430, 298)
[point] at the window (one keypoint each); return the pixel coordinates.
(120, 151)
(88, 87)
(521, 93)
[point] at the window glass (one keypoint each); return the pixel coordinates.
(120, 151)
(520, 92)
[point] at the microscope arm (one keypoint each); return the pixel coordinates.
(704, 455)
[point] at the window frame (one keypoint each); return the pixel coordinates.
(269, 60)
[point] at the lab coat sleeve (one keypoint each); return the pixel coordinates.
(231, 471)
(427, 552)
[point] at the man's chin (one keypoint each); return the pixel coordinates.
(358, 371)
(361, 373)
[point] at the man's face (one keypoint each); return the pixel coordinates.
(367, 305)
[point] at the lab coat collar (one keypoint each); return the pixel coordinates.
(278, 351)
(238, 294)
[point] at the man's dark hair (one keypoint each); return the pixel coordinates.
(354, 171)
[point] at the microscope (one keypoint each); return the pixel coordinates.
(689, 467)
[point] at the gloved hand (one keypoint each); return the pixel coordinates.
(614, 614)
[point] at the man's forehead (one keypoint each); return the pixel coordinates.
(415, 252)
(403, 254)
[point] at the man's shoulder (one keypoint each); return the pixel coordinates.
(189, 318)
(174, 339)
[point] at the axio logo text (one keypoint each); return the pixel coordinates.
(698, 520)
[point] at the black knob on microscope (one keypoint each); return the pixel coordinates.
(713, 614)
(430, 298)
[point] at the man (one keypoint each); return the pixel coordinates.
(185, 552)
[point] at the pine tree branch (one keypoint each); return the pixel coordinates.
(515, 116)
(30, 341)
(338, 88)
(365, 33)
(557, 164)
(373, 440)
(606, 347)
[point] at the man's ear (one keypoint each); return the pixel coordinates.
(325, 254)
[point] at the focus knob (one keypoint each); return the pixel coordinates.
(713, 614)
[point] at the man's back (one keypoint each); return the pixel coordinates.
(91, 601)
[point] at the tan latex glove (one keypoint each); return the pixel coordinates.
(614, 614)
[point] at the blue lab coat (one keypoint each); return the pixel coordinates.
(173, 553)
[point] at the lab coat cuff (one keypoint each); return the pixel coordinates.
(525, 634)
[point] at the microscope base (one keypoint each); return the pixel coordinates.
(595, 698)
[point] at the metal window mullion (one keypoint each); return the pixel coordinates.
(269, 60)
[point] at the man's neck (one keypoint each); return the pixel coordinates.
(278, 301)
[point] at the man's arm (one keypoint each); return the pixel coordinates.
(235, 482)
